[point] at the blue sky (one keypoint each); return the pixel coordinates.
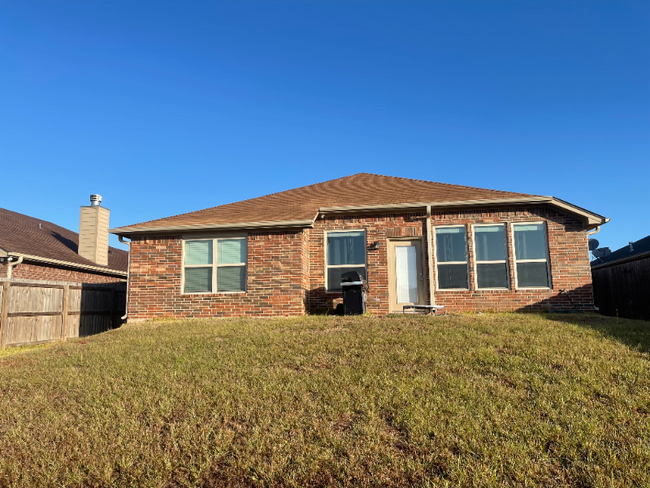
(168, 107)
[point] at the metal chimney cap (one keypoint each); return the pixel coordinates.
(95, 200)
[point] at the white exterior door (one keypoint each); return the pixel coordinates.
(406, 281)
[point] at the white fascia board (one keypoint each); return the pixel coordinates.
(424, 205)
(234, 226)
(593, 219)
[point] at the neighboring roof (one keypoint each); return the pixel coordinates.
(362, 191)
(24, 235)
(638, 250)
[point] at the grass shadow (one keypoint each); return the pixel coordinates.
(632, 333)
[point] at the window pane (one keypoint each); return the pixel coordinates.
(532, 275)
(492, 275)
(490, 243)
(231, 278)
(450, 244)
(198, 280)
(346, 248)
(334, 276)
(198, 252)
(231, 251)
(530, 242)
(452, 276)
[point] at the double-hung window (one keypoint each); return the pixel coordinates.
(531, 255)
(214, 265)
(490, 256)
(451, 257)
(345, 251)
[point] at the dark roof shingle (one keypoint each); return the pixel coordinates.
(642, 246)
(23, 234)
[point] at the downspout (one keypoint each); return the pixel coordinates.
(128, 281)
(432, 299)
(11, 265)
(596, 231)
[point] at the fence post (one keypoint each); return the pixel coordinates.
(4, 318)
(64, 312)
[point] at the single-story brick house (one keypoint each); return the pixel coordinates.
(416, 242)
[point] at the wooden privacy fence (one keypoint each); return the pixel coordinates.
(623, 289)
(32, 312)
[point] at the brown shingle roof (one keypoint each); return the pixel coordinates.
(21, 234)
(303, 203)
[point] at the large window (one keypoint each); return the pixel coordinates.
(490, 256)
(346, 251)
(214, 265)
(451, 257)
(531, 255)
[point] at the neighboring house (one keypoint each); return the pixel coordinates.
(417, 242)
(622, 281)
(34, 249)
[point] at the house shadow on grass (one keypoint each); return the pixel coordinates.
(632, 333)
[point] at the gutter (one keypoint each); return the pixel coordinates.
(68, 264)
(240, 225)
(128, 272)
(593, 219)
(453, 203)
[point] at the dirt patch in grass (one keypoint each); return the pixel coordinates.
(482, 400)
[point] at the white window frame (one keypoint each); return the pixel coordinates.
(547, 260)
(215, 267)
(327, 265)
(501, 261)
(435, 257)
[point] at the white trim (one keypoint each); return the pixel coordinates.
(241, 226)
(432, 296)
(214, 266)
(435, 253)
(547, 260)
(365, 256)
(476, 262)
(591, 217)
(451, 203)
(68, 264)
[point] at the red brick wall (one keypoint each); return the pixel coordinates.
(569, 260)
(286, 270)
(378, 228)
(275, 280)
(569, 263)
(33, 271)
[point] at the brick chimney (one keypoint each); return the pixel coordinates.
(93, 231)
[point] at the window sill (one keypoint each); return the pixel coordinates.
(492, 289)
(533, 289)
(216, 293)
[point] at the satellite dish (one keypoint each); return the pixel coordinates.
(593, 244)
(601, 252)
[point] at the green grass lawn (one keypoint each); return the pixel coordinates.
(484, 400)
